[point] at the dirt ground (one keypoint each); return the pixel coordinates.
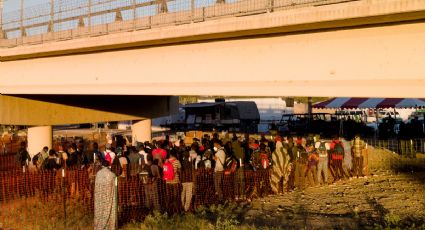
(393, 195)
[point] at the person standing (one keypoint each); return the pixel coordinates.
(99, 157)
(51, 162)
(42, 156)
(23, 157)
(278, 170)
(313, 160)
(322, 149)
(300, 158)
(289, 178)
(337, 150)
(187, 180)
(219, 157)
(347, 163)
(357, 147)
(109, 155)
(135, 162)
(239, 179)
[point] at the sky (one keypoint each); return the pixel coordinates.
(12, 5)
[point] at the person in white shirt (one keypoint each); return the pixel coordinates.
(219, 157)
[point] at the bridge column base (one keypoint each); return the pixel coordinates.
(142, 131)
(38, 137)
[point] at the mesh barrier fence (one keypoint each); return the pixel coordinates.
(31, 199)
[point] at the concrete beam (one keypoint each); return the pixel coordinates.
(58, 110)
(384, 61)
(299, 20)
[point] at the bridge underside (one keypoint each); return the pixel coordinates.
(376, 61)
(40, 110)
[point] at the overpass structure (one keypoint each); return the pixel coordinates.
(358, 48)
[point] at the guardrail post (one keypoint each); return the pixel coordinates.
(134, 14)
(23, 33)
(2, 33)
(52, 14)
(270, 6)
(89, 16)
(192, 8)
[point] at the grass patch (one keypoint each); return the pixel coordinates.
(32, 213)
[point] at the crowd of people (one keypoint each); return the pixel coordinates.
(284, 163)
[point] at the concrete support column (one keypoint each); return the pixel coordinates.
(142, 130)
(38, 137)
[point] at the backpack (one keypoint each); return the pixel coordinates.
(23, 156)
(338, 149)
(168, 171)
(116, 166)
(230, 166)
(265, 161)
(322, 150)
(45, 164)
(108, 158)
(35, 159)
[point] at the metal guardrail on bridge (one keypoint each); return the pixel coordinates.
(66, 19)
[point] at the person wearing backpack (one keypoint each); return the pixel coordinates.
(312, 161)
(23, 157)
(42, 156)
(51, 164)
(337, 151)
(160, 153)
(187, 178)
(300, 159)
(97, 154)
(135, 161)
(239, 180)
(72, 161)
(109, 155)
(151, 185)
(171, 171)
(322, 150)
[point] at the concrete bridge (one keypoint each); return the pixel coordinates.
(373, 48)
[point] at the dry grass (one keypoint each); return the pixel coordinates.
(32, 213)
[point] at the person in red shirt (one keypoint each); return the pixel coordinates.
(161, 154)
(337, 156)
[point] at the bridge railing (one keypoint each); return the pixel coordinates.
(66, 19)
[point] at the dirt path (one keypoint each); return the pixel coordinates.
(382, 200)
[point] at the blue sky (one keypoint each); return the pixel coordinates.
(11, 5)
